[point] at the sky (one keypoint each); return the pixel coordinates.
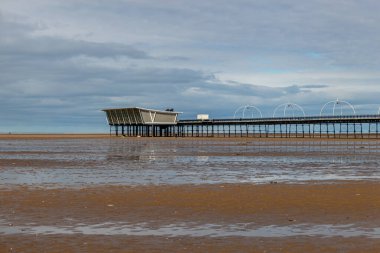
(61, 62)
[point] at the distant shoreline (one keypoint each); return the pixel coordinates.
(20, 136)
(53, 136)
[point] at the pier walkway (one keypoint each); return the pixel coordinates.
(353, 126)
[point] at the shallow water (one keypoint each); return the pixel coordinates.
(195, 230)
(122, 161)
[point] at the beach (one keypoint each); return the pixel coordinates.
(95, 193)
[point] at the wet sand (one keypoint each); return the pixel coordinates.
(349, 202)
(157, 206)
(315, 216)
(96, 243)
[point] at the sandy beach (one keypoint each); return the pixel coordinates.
(54, 196)
(254, 205)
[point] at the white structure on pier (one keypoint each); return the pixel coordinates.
(140, 116)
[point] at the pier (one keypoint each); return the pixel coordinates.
(134, 122)
(358, 126)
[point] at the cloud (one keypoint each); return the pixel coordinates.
(17, 40)
(63, 61)
(314, 86)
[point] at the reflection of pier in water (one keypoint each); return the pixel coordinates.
(145, 161)
(333, 151)
(182, 161)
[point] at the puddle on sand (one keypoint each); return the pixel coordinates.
(196, 230)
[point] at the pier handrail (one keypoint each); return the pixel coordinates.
(305, 118)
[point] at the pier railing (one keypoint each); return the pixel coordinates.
(300, 120)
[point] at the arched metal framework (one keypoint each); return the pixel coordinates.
(287, 106)
(336, 103)
(244, 109)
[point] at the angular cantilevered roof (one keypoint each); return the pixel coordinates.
(140, 116)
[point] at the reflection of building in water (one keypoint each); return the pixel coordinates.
(136, 151)
(334, 152)
(204, 151)
(202, 158)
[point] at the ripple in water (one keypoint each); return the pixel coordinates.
(194, 230)
(122, 161)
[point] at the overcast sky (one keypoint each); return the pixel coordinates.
(61, 62)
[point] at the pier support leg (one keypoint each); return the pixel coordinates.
(303, 131)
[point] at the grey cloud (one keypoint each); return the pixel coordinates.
(58, 48)
(175, 58)
(340, 33)
(345, 33)
(61, 81)
(295, 89)
(262, 91)
(45, 66)
(38, 89)
(314, 86)
(16, 40)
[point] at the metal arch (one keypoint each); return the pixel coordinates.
(245, 107)
(238, 109)
(325, 105)
(286, 106)
(254, 107)
(338, 102)
(347, 103)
